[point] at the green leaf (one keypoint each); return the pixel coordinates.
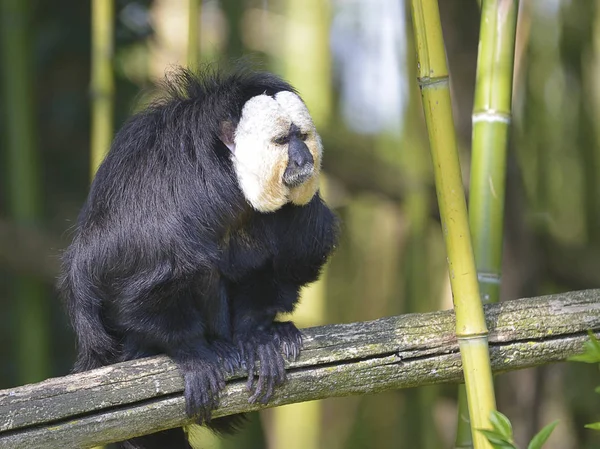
(597, 389)
(584, 358)
(594, 341)
(591, 351)
(497, 440)
(542, 436)
(593, 426)
(501, 424)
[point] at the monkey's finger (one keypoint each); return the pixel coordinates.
(268, 377)
(242, 349)
(250, 365)
(216, 382)
(258, 389)
(263, 374)
(281, 374)
(274, 373)
(228, 366)
(258, 392)
(296, 350)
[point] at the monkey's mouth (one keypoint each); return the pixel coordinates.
(296, 176)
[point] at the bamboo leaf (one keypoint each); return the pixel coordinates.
(593, 426)
(542, 436)
(501, 424)
(497, 440)
(591, 351)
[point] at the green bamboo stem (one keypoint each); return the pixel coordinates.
(463, 427)
(102, 88)
(418, 402)
(471, 330)
(193, 47)
(491, 121)
(23, 181)
(234, 12)
(102, 85)
(307, 27)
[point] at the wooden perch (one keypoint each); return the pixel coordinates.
(144, 396)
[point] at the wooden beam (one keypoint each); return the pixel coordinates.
(144, 396)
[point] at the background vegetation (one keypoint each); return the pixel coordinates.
(353, 62)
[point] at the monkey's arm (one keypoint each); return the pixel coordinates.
(306, 242)
(305, 236)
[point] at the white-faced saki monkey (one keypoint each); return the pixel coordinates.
(202, 224)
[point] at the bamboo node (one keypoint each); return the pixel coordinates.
(492, 116)
(489, 277)
(428, 81)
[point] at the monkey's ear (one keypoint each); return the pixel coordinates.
(227, 134)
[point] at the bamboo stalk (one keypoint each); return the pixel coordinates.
(193, 48)
(471, 330)
(234, 12)
(22, 172)
(307, 27)
(491, 121)
(307, 22)
(418, 289)
(102, 88)
(102, 84)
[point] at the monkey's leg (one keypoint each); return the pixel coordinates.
(176, 326)
(200, 366)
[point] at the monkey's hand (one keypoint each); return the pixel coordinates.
(266, 346)
(203, 380)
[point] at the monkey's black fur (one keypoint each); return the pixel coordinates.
(168, 257)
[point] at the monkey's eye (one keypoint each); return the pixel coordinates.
(302, 135)
(282, 140)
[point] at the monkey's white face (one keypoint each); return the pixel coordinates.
(276, 152)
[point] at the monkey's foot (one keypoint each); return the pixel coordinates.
(203, 381)
(262, 347)
(229, 355)
(289, 338)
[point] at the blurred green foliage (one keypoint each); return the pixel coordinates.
(391, 256)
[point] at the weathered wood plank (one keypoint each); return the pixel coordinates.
(138, 397)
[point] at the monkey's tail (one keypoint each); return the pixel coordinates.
(95, 346)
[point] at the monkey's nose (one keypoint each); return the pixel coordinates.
(299, 170)
(301, 160)
(300, 164)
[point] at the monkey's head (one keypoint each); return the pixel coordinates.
(276, 151)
